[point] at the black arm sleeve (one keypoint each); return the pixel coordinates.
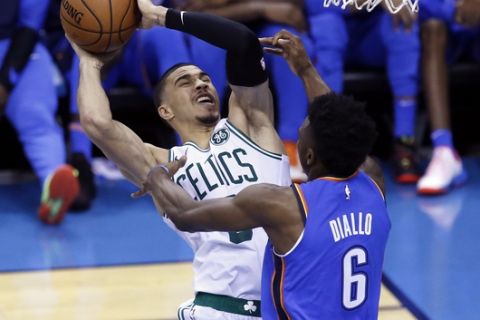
(245, 64)
(21, 47)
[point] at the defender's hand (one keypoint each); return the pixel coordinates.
(159, 173)
(290, 47)
(151, 14)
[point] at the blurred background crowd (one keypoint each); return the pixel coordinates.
(417, 72)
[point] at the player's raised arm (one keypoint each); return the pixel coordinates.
(290, 47)
(117, 141)
(251, 103)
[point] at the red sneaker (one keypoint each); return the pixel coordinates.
(405, 161)
(59, 191)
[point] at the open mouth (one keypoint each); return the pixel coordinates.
(205, 99)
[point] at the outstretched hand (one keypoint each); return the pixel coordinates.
(159, 173)
(290, 47)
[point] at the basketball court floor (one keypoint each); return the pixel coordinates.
(119, 261)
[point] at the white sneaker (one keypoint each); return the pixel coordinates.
(444, 172)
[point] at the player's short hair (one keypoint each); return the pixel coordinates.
(160, 86)
(344, 134)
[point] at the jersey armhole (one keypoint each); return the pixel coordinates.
(376, 186)
(302, 204)
(300, 238)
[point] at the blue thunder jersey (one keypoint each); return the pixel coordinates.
(334, 270)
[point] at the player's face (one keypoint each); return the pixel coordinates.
(192, 96)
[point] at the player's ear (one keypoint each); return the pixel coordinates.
(310, 157)
(165, 112)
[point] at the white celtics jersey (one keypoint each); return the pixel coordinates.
(227, 263)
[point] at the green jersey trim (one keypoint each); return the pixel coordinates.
(228, 304)
(252, 144)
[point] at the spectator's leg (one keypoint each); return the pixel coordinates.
(31, 109)
(403, 58)
(330, 38)
(435, 78)
(292, 100)
(403, 54)
(445, 168)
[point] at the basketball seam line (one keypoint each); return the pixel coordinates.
(111, 25)
(74, 25)
(123, 19)
(93, 15)
(96, 31)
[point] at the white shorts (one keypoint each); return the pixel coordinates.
(189, 311)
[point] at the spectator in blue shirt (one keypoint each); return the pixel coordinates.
(374, 39)
(29, 101)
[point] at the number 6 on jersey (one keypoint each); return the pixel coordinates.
(354, 284)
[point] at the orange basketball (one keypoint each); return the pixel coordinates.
(99, 26)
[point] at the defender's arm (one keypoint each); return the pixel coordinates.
(269, 206)
(251, 208)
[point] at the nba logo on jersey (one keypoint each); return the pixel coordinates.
(220, 137)
(347, 192)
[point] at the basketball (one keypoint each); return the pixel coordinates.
(99, 26)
